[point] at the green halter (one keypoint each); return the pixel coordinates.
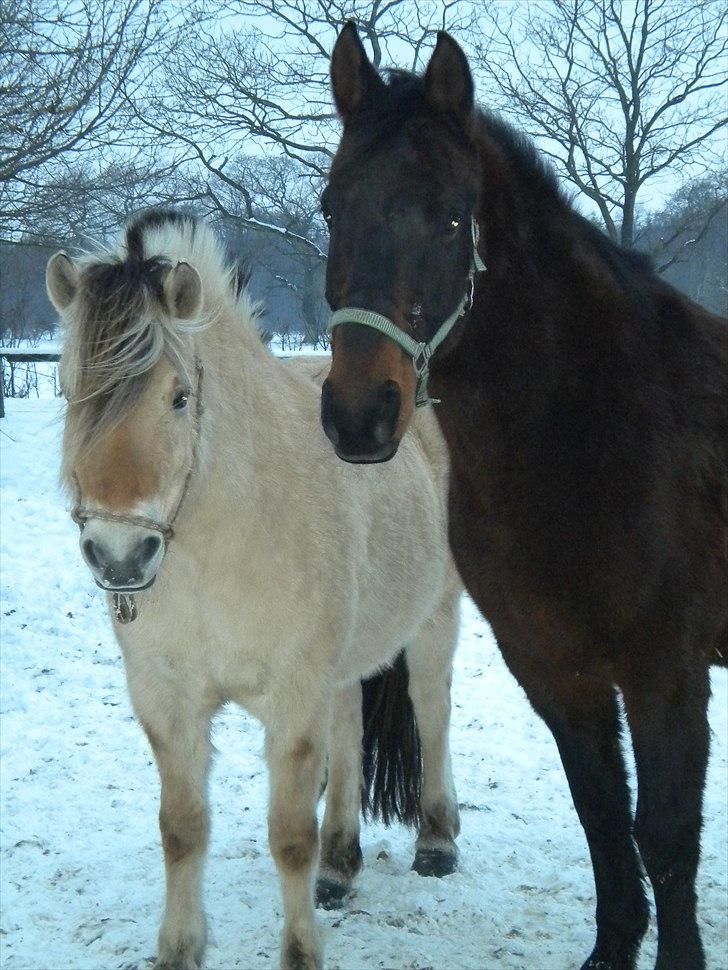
(421, 352)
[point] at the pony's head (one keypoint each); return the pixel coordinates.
(131, 380)
(400, 201)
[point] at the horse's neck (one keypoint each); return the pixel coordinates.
(544, 287)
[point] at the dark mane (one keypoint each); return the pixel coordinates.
(402, 97)
(538, 178)
(117, 337)
(150, 220)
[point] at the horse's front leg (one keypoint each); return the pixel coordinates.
(340, 850)
(179, 736)
(295, 763)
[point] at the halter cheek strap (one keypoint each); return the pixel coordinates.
(420, 352)
(125, 609)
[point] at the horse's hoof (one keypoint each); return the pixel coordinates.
(598, 962)
(330, 894)
(435, 862)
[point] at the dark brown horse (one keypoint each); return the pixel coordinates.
(585, 405)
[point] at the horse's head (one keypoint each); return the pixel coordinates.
(400, 204)
(131, 383)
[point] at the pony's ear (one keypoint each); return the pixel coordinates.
(61, 281)
(353, 77)
(448, 81)
(183, 291)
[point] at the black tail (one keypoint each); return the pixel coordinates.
(391, 758)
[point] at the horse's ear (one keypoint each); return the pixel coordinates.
(353, 77)
(61, 281)
(448, 81)
(183, 292)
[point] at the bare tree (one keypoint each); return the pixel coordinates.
(257, 81)
(689, 238)
(65, 73)
(620, 94)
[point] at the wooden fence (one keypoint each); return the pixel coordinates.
(22, 355)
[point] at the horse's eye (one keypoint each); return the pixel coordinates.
(453, 223)
(326, 213)
(180, 400)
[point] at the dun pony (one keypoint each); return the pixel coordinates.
(243, 562)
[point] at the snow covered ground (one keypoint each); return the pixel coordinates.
(81, 865)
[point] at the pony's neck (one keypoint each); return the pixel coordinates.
(243, 410)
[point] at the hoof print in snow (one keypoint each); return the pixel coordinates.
(435, 862)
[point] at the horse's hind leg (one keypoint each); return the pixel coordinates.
(667, 713)
(581, 711)
(182, 750)
(429, 661)
(340, 850)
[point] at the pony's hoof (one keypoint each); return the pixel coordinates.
(296, 956)
(330, 894)
(435, 862)
(182, 962)
(186, 955)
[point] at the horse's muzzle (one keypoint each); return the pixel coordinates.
(121, 560)
(362, 434)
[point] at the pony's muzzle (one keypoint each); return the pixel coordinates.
(121, 558)
(362, 432)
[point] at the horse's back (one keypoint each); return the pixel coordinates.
(699, 362)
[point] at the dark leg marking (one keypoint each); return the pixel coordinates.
(440, 858)
(341, 860)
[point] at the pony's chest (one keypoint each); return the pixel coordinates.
(199, 648)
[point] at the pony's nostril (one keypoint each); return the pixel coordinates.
(149, 548)
(91, 554)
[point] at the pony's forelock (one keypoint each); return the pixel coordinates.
(119, 326)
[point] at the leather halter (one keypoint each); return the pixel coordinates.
(125, 609)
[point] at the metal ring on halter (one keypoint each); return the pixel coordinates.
(419, 353)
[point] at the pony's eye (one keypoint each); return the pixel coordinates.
(453, 223)
(180, 400)
(326, 213)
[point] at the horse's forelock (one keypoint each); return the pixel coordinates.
(120, 327)
(115, 338)
(117, 330)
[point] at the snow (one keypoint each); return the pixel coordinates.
(81, 872)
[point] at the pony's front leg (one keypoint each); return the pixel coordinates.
(182, 750)
(295, 764)
(340, 850)
(429, 661)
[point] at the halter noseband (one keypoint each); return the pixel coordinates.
(125, 609)
(420, 352)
